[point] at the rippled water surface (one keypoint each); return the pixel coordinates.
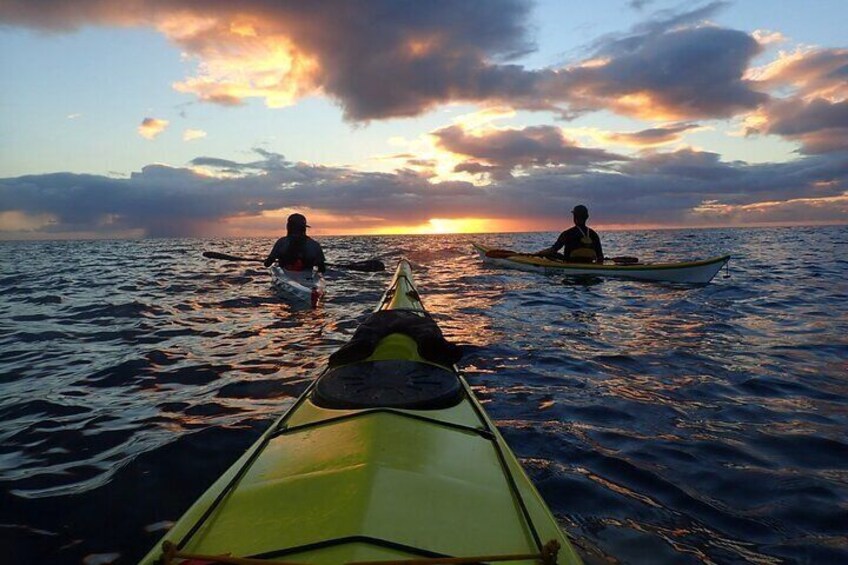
(662, 423)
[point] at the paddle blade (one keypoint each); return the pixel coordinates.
(369, 266)
(225, 257)
(625, 260)
(501, 253)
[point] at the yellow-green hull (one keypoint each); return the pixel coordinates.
(691, 272)
(330, 486)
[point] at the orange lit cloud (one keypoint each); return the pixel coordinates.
(379, 62)
(651, 137)
(238, 60)
(812, 73)
(685, 187)
(282, 51)
(16, 221)
(150, 128)
(823, 210)
(654, 75)
(815, 114)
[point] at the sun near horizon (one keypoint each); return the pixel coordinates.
(438, 226)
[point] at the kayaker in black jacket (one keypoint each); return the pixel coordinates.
(297, 251)
(579, 244)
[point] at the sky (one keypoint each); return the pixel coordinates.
(213, 118)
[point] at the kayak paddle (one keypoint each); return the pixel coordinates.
(225, 257)
(505, 253)
(368, 266)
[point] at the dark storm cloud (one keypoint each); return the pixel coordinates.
(681, 73)
(389, 58)
(506, 149)
(159, 200)
(377, 58)
(655, 188)
(668, 188)
(820, 126)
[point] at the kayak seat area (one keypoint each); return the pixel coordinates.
(393, 383)
(432, 345)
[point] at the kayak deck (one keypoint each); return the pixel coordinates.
(386, 484)
(698, 272)
(377, 483)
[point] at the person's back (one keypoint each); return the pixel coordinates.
(297, 251)
(580, 243)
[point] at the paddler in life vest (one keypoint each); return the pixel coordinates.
(579, 244)
(297, 251)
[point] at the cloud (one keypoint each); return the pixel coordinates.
(639, 4)
(765, 37)
(390, 58)
(814, 113)
(16, 221)
(431, 52)
(826, 209)
(685, 187)
(675, 74)
(150, 128)
(820, 126)
(651, 137)
(809, 73)
(387, 58)
(499, 151)
(192, 134)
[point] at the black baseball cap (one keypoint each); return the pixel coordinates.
(297, 220)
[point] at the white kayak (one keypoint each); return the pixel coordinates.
(697, 272)
(300, 287)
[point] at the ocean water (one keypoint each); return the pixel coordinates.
(662, 423)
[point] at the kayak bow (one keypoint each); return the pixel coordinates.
(387, 457)
(698, 272)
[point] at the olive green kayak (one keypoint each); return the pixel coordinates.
(693, 272)
(386, 458)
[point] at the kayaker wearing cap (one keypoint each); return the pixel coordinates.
(297, 251)
(579, 244)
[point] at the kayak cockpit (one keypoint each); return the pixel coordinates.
(389, 383)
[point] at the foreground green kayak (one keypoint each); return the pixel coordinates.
(386, 458)
(698, 272)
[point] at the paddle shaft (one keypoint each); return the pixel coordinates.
(504, 253)
(225, 257)
(372, 265)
